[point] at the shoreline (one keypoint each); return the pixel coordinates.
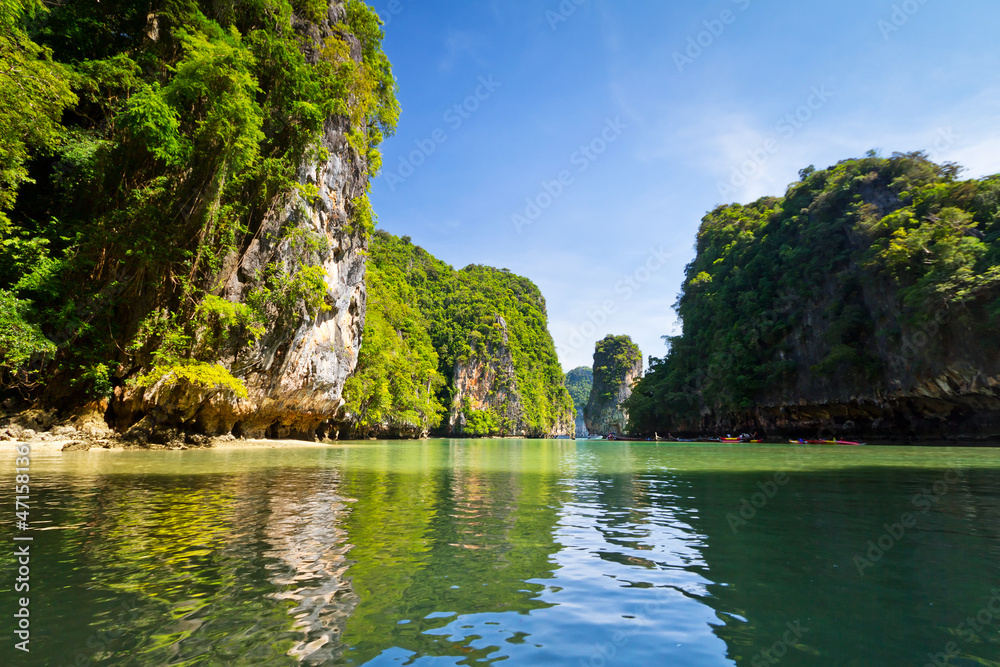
(60, 445)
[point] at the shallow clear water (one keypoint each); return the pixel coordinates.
(536, 552)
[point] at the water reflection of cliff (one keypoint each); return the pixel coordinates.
(785, 584)
(306, 535)
(455, 531)
(236, 569)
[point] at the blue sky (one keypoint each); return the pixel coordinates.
(579, 143)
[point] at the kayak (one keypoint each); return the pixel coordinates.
(739, 440)
(827, 442)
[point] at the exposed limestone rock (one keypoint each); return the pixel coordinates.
(89, 421)
(617, 367)
(488, 381)
(295, 372)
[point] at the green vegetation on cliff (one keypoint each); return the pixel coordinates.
(824, 291)
(142, 145)
(578, 383)
(394, 388)
(617, 364)
(420, 307)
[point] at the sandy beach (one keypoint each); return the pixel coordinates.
(59, 444)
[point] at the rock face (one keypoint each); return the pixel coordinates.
(941, 384)
(862, 304)
(617, 367)
(453, 352)
(488, 383)
(295, 372)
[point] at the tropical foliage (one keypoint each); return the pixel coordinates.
(615, 357)
(578, 384)
(142, 145)
(825, 287)
(422, 309)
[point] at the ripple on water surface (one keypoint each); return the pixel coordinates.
(533, 552)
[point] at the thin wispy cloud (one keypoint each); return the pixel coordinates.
(690, 134)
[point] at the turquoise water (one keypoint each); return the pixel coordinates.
(469, 552)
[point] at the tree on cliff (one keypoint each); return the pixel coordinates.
(579, 382)
(482, 327)
(617, 366)
(866, 279)
(187, 125)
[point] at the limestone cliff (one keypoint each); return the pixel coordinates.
(862, 304)
(617, 367)
(204, 270)
(451, 352)
(295, 373)
(487, 384)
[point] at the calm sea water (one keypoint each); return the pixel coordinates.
(462, 552)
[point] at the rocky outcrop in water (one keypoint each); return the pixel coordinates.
(863, 304)
(617, 367)
(941, 384)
